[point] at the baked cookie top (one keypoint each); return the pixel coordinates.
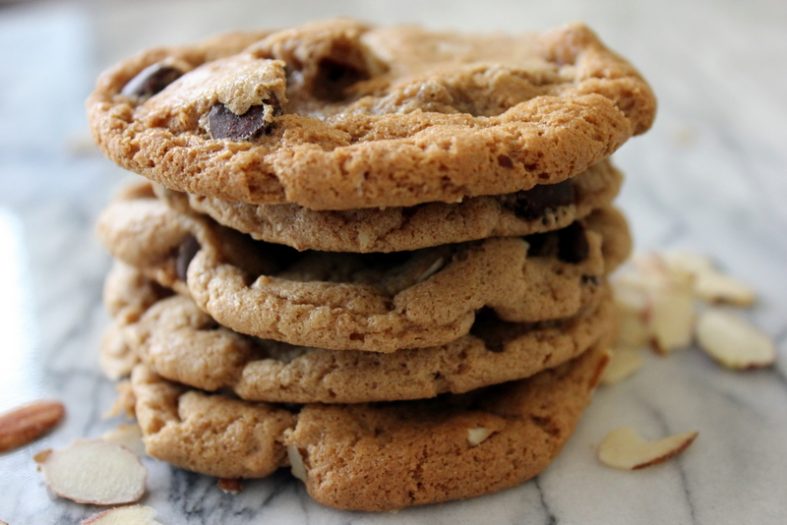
(540, 209)
(371, 302)
(181, 343)
(340, 115)
(380, 456)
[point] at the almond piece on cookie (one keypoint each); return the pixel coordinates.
(624, 449)
(29, 422)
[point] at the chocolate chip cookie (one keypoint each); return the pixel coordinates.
(543, 208)
(181, 343)
(339, 115)
(381, 456)
(372, 302)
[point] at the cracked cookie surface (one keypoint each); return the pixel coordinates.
(540, 209)
(381, 456)
(338, 115)
(373, 302)
(181, 343)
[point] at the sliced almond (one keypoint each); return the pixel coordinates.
(733, 342)
(671, 321)
(715, 287)
(710, 284)
(230, 485)
(625, 449)
(125, 402)
(129, 435)
(95, 471)
(663, 300)
(477, 435)
(130, 515)
(297, 466)
(623, 363)
(40, 457)
(632, 306)
(433, 268)
(688, 262)
(29, 422)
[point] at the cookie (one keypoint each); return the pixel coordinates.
(127, 296)
(374, 457)
(540, 209)
(179, 342)
(339, 115)
(373, 302)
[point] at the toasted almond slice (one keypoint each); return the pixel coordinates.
(95, 471)
(130, 515)
(477, 435)
(40, 457)
(29, 422)
(632, 307)
(671, 321)
(654, 271)
(625, 449)
(715, 287)
(297, 466)
(710, 284)
(688, 262)
(124, 404)
(230, 485)
(433, 268)
(664, 299)
(623, 363)
(733, 342)
(127, 434)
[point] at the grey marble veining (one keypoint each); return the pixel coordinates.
(711, 176)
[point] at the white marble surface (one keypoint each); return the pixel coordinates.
(710, 176)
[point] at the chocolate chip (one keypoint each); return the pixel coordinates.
(486, 327)
(533, 203)
(151, 80)
(224, 124)
(334, 77)
(573, 244)
(495, 332)
(186, 252)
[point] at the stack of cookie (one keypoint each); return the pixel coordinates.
(378, 256)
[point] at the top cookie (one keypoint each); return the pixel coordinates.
(338, 115)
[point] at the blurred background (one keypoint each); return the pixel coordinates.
(710, 176)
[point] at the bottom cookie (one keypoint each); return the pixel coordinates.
(374, 457)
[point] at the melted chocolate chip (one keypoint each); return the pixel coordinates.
(573, 244)
(334, 77)
(533, 203)
(151, 80)
(186, 252)
(486, 327)
(569, 244)
(224, 124)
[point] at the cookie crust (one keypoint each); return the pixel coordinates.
(410, 116)
(348, 302)
(410, 228)
(179, 342)
(378, 456)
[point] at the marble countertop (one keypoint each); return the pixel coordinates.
(711, 176)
